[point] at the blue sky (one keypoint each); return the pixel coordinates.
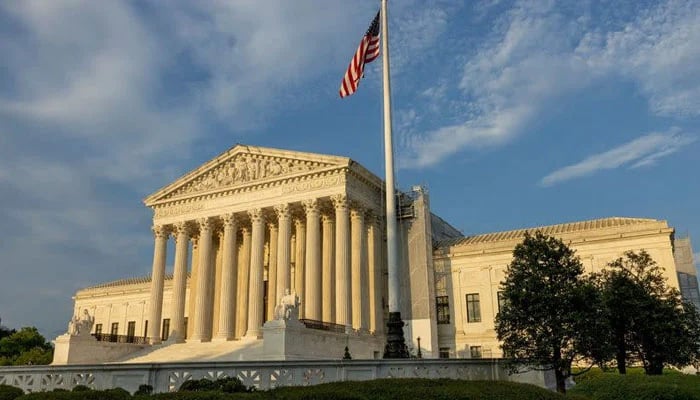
(512, 113)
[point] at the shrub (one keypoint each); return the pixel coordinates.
(226, 385)
(10, 392)
(145, 390)
(81, 388)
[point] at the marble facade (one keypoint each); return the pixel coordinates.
(255, 222)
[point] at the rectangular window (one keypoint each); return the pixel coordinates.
(165, 333)
(114, 332)
(443, 309)
(444, 352)
(473, 308)
(184, 336)
(130, 331)
(98, 329)
(501, 300)
(475, 351)
(145, 329)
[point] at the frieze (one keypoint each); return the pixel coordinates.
(178, 210)
(313, 184)
(245, 168)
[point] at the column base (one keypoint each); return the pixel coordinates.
(253, 335)
(395, 341)
(222, 337)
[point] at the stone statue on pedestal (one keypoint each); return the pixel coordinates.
(288, 308)
(81, 326)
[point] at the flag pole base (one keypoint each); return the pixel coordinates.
(395, 341)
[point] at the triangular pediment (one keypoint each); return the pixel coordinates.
(243, 166)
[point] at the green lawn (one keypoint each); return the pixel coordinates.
(672, 385)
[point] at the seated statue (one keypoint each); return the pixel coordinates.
(288, 308)
(81, 326)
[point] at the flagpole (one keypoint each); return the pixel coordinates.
(396, 344)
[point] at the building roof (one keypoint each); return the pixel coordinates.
(558, 229)
(128, 281)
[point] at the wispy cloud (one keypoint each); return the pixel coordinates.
(640, 152)
(538, 52)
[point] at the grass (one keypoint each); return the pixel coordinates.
(672, 385)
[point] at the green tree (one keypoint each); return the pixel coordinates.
(648, 320)
(25, 346)
(551, 313)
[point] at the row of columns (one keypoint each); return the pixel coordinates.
(337, 274)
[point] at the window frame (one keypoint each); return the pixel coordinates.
(442, 309)
(473, 301)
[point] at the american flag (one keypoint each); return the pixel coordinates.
(367, 51)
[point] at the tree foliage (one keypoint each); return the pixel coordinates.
(26, 346)
(551, 316)
(648, 320)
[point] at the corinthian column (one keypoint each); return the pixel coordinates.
(376, 313)
(227, 299)
(328, 275)
(160, 234)
(255, 289)
(177, 312)
(272, 271)
(357, 230)
(202, 311)
(342, 260)
(300, 258)
(312, 309)
(243, 281)
(283, 255)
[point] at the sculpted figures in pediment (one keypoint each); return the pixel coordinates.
(244, 168)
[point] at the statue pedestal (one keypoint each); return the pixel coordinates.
(289, 339)
(85, 349)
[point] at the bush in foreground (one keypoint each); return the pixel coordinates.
(9, 392)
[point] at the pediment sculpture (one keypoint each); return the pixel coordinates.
(244, 168)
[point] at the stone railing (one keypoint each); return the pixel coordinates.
(167, 377)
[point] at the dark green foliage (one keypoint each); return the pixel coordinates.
(145, 390)
(110, 394)
(81, 388)
(647, 320)
(9, 392)
(551, 313)
(26, 346)
(226, 385)
(637, 386)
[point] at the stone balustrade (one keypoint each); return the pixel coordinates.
(264, 375)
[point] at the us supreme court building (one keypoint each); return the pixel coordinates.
(282, 255)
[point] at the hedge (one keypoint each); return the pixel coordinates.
(10, 392)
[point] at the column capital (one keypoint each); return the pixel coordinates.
(205, 224)
(340, 201)
(160, 231)
(299, 223)
(256, 215)
(181, 228)
(326, 218)
(229, 220)
(283, 210)
(357, 210)
(311, 206)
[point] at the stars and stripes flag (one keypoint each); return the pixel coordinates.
(367, 51)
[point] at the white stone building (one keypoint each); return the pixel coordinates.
(255, 222)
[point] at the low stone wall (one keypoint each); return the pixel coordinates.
(167, 377)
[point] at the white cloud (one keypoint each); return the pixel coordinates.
(102, 103)
(640, 152)
(540, 51)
